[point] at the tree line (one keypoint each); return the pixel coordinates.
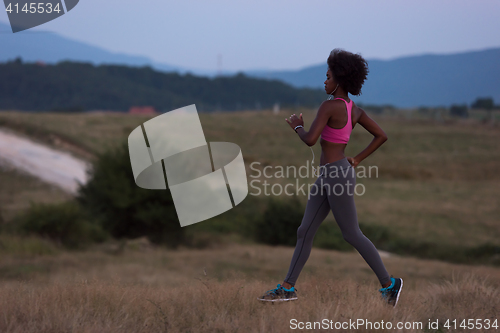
(77, 86)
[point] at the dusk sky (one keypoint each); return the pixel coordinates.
(265, 34)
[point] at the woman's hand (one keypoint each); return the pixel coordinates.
(353, 161)
(295, 121)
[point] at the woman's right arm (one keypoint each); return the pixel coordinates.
(379, 137)
(317, 125)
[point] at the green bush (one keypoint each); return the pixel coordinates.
(459, 111)
(281, 219)
(487, 253)
(279, 223)
(11, 244)
(378, 234)
(330, 237)
(124, 209)
(63, 223)
(483, 103)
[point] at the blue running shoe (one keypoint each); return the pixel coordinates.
(279, 294)
(391, 293)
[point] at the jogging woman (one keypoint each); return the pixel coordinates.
(334, 188)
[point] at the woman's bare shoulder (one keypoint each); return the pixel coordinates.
(357, 112)
(332, 107)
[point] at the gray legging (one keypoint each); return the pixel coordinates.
(334, 190)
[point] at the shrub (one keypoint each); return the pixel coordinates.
(487, 253)
(459, 111)
(2, 221)
(26, 245)
(279, 223)
(124, 209)
(63, 223)
(378, 234)
(330, 237)
(483, 103)
(281, 219)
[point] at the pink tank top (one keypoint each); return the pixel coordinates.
(340, 135)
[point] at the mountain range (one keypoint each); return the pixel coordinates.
(412, 81)
(425, 80)
(33, 45)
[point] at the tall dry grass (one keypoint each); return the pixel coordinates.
(216, 290)
(231, 306)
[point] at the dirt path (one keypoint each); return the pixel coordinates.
(50, 165)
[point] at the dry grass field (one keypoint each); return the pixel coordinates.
(438, 181)
(147, 289)
(19, 189)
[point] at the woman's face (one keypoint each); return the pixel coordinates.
(330, 83)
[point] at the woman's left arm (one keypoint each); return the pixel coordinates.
(317, 125)
(379, 137)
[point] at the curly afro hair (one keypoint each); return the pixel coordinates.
(348, 69)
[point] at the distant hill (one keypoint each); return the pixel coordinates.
(84, 86)
(427, 80)
(50, 47)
